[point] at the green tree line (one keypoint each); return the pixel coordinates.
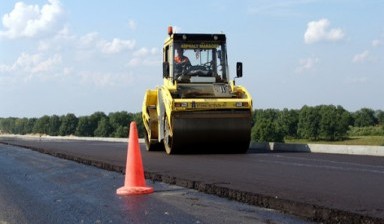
(97, 124)
(323, 122)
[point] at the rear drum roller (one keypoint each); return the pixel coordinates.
(168, 138)
(152, 146)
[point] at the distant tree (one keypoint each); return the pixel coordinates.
(309, 121)
(42, 125)
(68, 124)
(119, 122)
(7, 125)
(94, 120)
(24, 125)
(20, 126)
(334, 122)
(29, 126)
(365, 117)
(267, 127)
(344, 120)
(255, 113)
(288, 120)
(1, 125)
(54, 125)
(121, 132)
(87, 125)
(104, 129)
(84, 127)
(380, 117)
(328, 121)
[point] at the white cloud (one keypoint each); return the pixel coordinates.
(145, 56)
(105, 79)
(319, 31)
(142, 52)
(154, 51)
(362, 57)
(145, 52)
(31, 20)
(63, 39)
(134, 62)
(35, 63)
(377, 43)
(43, 46)
(88, 40)
(65, 57)
(27, 66)
(116, 45)
(132, 24)
(306, 64)
(92, 41)
(47, 64)
(65, 34)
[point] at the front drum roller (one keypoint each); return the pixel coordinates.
(208, 132)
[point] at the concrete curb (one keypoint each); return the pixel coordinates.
(319, 148)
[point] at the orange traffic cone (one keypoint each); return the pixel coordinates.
(134, 173)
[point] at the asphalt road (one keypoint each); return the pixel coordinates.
(38, 188)
(321, 187)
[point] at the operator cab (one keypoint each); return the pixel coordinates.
(199, 62)
(195, 58)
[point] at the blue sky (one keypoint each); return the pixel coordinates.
(59, 57)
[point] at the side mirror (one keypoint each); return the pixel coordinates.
(239, 69)
(165, 69)
(219, 54)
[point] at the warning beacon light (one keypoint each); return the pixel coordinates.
(170, 30)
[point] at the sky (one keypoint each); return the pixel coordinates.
(59, 57)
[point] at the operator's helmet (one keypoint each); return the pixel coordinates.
(179, 50)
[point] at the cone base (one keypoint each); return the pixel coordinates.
(134, 190)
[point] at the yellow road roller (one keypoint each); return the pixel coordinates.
(198, 109)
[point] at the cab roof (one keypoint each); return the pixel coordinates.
(198, 37)
(186, 37)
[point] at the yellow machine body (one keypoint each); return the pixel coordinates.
(197, 109)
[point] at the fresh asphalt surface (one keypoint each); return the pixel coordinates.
(38, 188)
(352, 185)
